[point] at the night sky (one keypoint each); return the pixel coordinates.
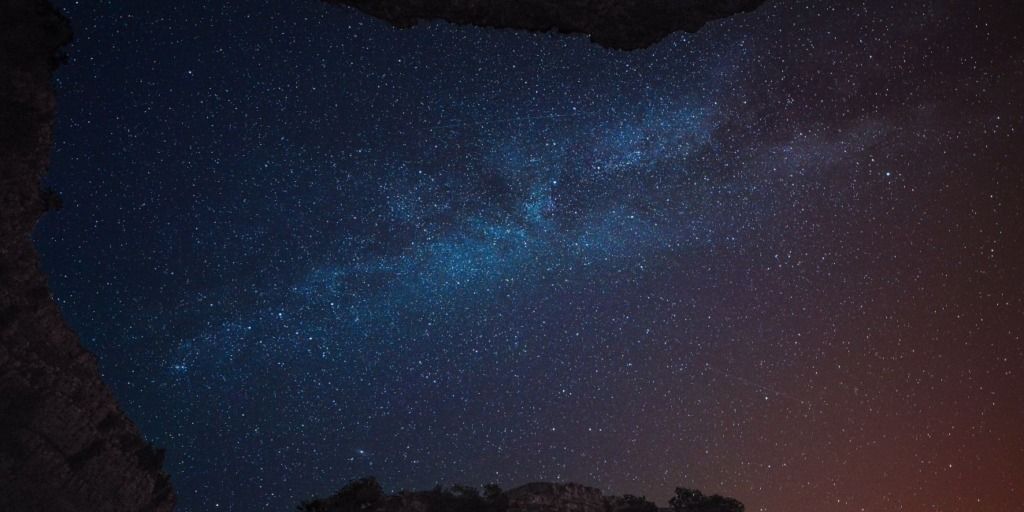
(780, 259)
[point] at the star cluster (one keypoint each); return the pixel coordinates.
(777, 259)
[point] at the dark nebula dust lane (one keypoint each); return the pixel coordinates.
(778, 259)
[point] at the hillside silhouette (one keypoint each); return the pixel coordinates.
(367, 495)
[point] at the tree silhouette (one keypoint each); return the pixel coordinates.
(495, 498)
(692, 500)
(366, 495)
(458, 498)
(630, 503)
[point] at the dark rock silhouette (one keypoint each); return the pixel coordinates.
(367, 495)
(619, 24)
(64, 443)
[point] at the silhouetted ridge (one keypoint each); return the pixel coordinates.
(366, 494)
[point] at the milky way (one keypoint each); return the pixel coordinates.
(778, 259)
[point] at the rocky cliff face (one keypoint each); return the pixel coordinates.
(64, 443)
(620, 24)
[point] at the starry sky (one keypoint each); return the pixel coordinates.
(779, 259)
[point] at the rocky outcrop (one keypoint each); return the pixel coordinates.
(620, 24)
(64, 443)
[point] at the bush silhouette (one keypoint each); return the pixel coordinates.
(366, 495)
(630, 503)
(692, 500)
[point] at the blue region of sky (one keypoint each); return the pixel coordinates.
(306, 247)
